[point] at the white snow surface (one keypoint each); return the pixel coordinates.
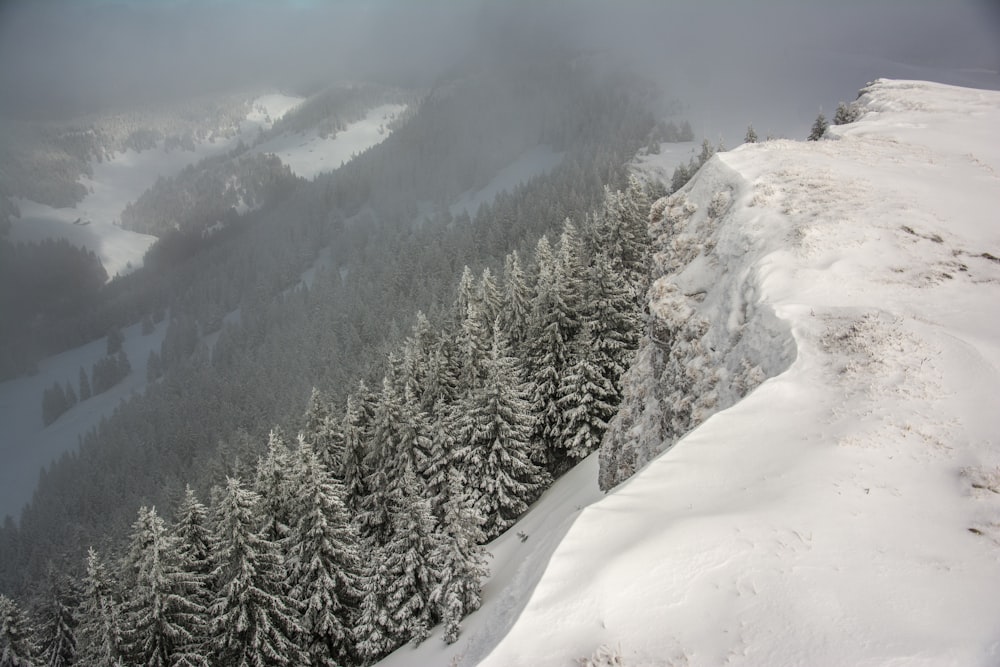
(847, 511)
(121, 180)
(308, 154)
(26, 446)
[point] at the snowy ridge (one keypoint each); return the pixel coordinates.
(847, 510)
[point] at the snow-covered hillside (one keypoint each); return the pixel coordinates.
(308, 154)
(93, 222)
(846, 511)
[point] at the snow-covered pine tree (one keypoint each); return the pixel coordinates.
(376, 632)
(400, 444)
(751, 135)
(465, 295)
(273, 486)
(548, 354)
(489, 298)
(99, 633)
(61, 648)
(460, 561)
(408, 562)
(162, 621)
(324, 568)
(253, 622)
(195, 553)
(819, 128)
(846, 113)
(588, 401)
(352, 469)
(18, 647)
(612, 318)
(494, 447)
(516, 305)
(322, 430)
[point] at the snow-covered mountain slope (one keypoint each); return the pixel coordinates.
(26, 445)
(92, 223)
(847, 510)
(308, 154)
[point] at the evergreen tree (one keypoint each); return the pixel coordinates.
(17, 640)
(408, 554)
(61, 649)
(322, 431)
(460, 561)
(516, 305)
(494, 443)
(162, 619)
(845, 114)
(100, 632)
(195, 553)
(324, 564)
(488, 298)
(85, 391)
(253, 622)
(274, 487)
(818, 128)
(588, 401)
(612, 319)
(376, 632)
(352, 468)
(751, 135)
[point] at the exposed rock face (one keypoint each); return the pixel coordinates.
(708, 340)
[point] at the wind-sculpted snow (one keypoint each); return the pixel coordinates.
(846, 510)
(709, 338)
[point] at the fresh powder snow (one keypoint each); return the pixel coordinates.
(845, 512)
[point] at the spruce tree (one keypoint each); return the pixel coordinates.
(376, 632)
(516, 305)
(494, 443)
(253, 621)
(273, 486)
(162, 620)
(751, 135)
(100, 631)
(61, 646)
(85, 391)
(195, 553)
(324, 568)
(460, 561)
(18, 647)
(408, 562)
(588, 401)
(819, 128)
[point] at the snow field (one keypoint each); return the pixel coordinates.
(26, 446)
(308, 154)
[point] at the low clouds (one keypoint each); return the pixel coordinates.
(63, 57)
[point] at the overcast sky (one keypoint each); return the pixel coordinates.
(64, 56)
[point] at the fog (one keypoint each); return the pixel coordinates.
(772, 62)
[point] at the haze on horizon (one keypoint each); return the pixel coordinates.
(68, 57)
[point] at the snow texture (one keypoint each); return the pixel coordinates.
(847, 510)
